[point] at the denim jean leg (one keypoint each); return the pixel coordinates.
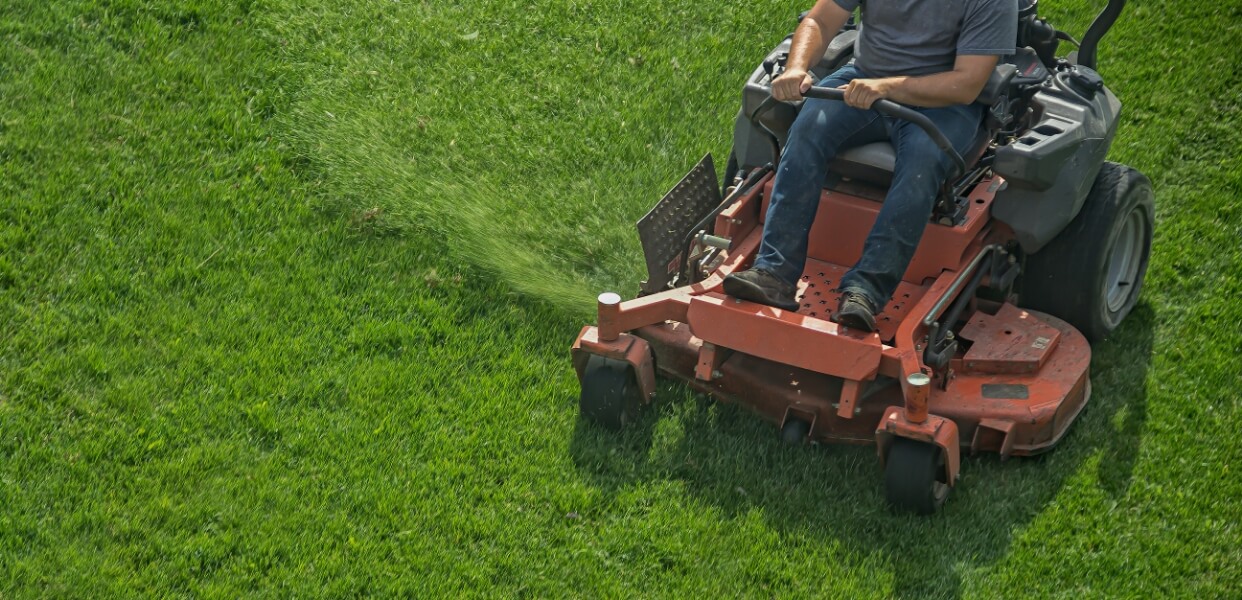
(822, 128)
(921, 168)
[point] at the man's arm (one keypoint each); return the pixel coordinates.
(810, 40)
(959, 86)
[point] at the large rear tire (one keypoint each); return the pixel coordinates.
(1091, 274)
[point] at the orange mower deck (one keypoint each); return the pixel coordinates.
(1013, 384)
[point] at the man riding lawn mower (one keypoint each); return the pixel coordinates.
(999, 243)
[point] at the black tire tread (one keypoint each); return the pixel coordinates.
(610, 394)
(795, 432)
(1065, 278)
(910, 473)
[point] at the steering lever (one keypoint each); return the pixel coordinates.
(892, 109)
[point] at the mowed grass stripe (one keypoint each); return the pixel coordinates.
(286, 292)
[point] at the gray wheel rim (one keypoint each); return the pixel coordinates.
(1124, 262)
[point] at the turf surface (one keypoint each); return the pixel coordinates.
(286, 291)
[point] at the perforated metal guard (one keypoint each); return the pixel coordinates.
(818, 297)
(663, 230)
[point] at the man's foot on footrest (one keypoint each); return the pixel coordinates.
(762, 287)
(855, 312)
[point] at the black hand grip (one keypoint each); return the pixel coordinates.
(892, 109)
(1100, 26)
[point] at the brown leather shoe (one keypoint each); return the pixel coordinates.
(762, 287)
(855, 312)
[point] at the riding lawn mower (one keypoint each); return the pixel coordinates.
(1036, 248)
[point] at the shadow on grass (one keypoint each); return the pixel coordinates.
(729, 459)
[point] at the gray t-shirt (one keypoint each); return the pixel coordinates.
(921, 37)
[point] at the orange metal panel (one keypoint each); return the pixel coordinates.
(775, 334)
(843, 222)
(1011, 341)
(740, 219)
(671, 305)
(710, 357)
(850, 390)
(819, 298)
(773, 388)
(993, 435)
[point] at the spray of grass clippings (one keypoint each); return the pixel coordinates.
(526, 137)
(530, 246)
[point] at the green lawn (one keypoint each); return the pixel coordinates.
(287, 290)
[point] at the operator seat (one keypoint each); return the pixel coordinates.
(874, 162)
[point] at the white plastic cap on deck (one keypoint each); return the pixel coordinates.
(918, 379)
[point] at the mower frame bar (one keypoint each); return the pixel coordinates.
(961, 278)
(753, 179)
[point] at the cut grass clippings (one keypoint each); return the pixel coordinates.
(286, 293)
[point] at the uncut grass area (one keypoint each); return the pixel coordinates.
(287, 291)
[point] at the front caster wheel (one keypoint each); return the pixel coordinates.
(914, 477)
(610, 394)
(795, 431)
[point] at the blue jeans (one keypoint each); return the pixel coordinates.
(822, 129)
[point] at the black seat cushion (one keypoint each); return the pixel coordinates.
(874, 162)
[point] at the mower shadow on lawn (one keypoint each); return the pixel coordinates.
(731, 462)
